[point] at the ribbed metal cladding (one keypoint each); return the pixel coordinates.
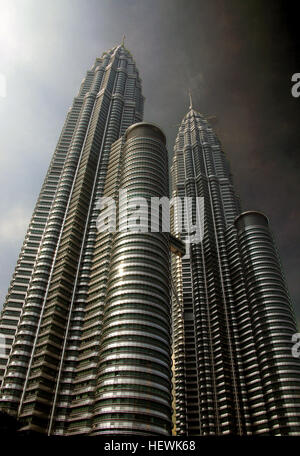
(134, 371)
(52, 321)
(273, 324)
(232, 317)
(207, 381)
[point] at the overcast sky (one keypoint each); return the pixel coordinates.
(237, 57)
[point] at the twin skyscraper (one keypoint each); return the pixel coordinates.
(115, 332)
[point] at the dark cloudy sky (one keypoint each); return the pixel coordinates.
(237, 57)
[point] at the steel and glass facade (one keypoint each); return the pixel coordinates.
(232, 317)
(265, 326)
(134, 370)
(89, 314)
(69, 308)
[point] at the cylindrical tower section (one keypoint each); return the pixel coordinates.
(272, 322)
(134, 375)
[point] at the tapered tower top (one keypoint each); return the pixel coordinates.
(191, 110)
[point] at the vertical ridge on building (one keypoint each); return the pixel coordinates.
(229, 294)
(44, 312)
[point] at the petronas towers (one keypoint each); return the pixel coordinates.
(101, 328)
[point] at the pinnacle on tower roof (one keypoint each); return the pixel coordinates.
(192, 110)
(191, 101)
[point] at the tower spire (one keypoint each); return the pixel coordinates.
(123, 40)
(191, 101)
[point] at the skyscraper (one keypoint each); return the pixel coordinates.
(232, 317)
(87, 319)
(67, 368)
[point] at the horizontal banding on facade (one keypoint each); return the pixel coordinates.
(145, 129)
(250, 218)
(134, 371)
